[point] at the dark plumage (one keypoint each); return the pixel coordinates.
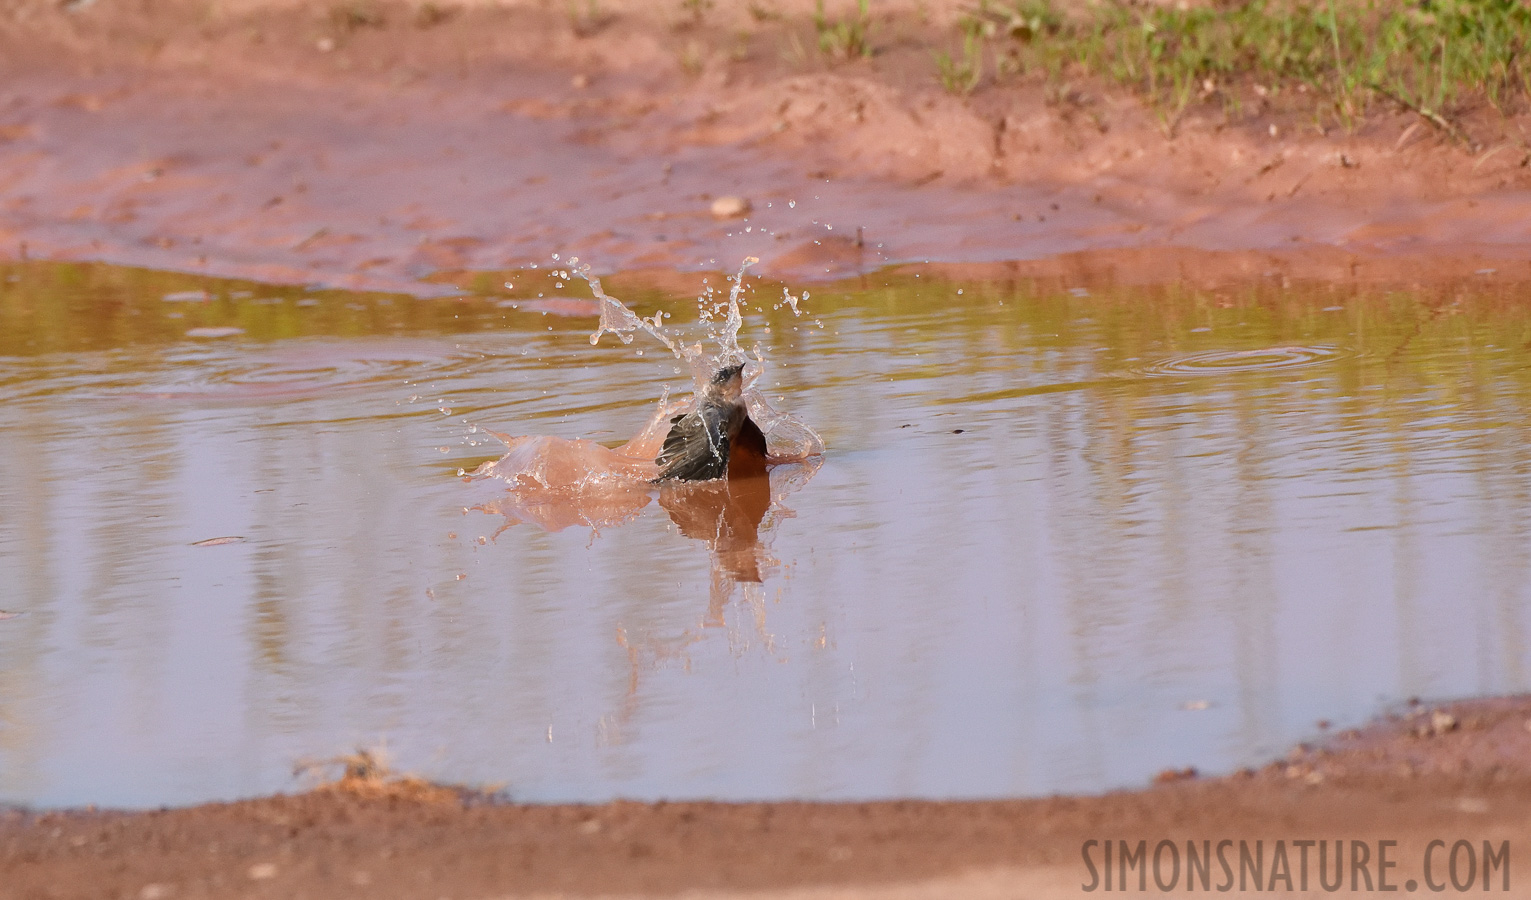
(715, 439)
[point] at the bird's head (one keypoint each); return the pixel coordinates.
(728, 382)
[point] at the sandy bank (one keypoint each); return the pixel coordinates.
(1454, 772)
(309, 145)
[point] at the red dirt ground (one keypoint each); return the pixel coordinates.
(221, 138)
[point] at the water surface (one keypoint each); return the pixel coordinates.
(1063, 537)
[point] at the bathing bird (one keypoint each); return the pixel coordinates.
(715, 439)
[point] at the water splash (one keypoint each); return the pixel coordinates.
(787, 437)
(557, 483)
(618, 320)
(582, 469)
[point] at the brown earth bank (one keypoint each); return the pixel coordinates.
(1452, 772)
(374, 145)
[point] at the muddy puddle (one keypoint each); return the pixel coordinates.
(1063, 536)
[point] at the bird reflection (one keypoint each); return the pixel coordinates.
(729, 515)
(725, 515)
(709, 465)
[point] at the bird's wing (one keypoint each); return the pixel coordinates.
(696, 449)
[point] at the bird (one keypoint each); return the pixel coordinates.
(716, 439)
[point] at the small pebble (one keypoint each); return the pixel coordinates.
(729, 206)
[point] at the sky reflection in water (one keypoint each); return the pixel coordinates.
(1059, 542)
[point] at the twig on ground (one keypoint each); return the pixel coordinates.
(1431, 116)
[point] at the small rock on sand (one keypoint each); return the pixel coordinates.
(730, 206)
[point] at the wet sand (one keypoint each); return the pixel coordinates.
(311, 146)
(303, 146)
(1454, 772)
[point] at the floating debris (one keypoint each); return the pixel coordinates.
(215, 332)
(1170, 776)
(220, 541)
(187, 297)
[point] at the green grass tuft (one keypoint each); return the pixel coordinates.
(844, 39)
(1433, 56)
